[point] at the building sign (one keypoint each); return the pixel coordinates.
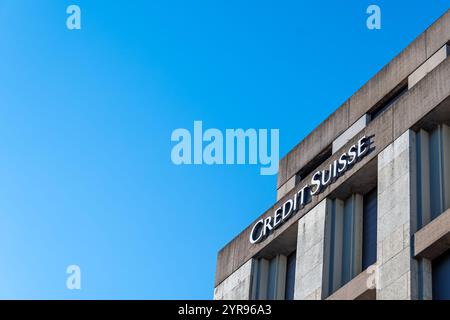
(319, 181)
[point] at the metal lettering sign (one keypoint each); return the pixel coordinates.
(319, 181)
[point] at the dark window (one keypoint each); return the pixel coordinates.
(436, 173)
(342, 242)
(347, 253)
(274, 279)
(272, 282)
(348, 244)
(441, 277)
(433, 173)
(257, 280)
(314, 164)
(331, 240)
(369, 255)
(290, 276)
(389, 100)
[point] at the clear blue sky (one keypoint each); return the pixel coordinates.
(86, 118)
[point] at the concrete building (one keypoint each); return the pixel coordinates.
(363, 202)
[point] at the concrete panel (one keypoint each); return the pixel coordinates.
(394, 260)
(310, 253)
(359, 288)
(237, 285)
(433, 239)
(427, 288)
(353, 130)
(285, 188)
(282, 170)
(393, 243)
(431, 63)
(398, 289)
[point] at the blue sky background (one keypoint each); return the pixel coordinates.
(86, 118)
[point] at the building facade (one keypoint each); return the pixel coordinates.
(363, 202)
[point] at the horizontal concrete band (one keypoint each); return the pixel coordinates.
(434, 239)
(363, 100)
(362, 287)
(433, 92)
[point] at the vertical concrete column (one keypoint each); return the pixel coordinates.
(446, 164)
(423, 208)
(425, 280)
(280, 282)
(397, 276)
(310, 253)
(237, 286)
(356, 234)
(260, 279)
(334, 244)
(423, 178)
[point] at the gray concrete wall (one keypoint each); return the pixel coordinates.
(397, 270)
(310, 253)
(237, 285)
